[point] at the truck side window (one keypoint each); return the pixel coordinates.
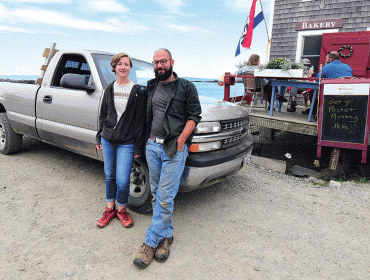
(71, 64)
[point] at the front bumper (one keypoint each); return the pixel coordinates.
(199, 177)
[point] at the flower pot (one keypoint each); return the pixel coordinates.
(291, 73)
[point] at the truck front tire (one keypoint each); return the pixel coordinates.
(10, 142)
(140, 198)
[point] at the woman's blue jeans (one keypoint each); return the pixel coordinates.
(117, 167)
(164, 174)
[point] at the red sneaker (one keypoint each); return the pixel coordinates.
(125, 218)
(108, 215)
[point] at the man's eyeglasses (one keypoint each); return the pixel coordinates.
(163, 61)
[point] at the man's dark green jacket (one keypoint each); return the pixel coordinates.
(182, 106)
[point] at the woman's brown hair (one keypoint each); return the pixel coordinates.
(116, 58)
(253, 59)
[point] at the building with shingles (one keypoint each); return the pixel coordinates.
(297, 29)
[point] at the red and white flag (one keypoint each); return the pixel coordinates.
(248, 37)
(255, 17)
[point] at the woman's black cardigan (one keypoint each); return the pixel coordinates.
(131, 126)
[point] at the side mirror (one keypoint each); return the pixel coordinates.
(76, 81)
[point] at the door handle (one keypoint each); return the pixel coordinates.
(47, 99)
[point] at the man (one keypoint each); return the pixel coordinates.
(334, 68)
(173, 111)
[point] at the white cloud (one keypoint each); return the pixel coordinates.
(126, 26)
(4, 14)
(245, 5)
(12, 29)
(172, 6)
(15, 29)
(54, 18)
(107, 6)
(65, 20)
(242, 4)
(38, 1)
(186, 29)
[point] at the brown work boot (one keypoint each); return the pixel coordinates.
(125, 218)
(144, 257)
(108, 215)
(163, 250)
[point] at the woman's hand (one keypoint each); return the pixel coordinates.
(137, 156)
(99, 147)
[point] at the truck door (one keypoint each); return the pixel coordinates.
(354, 48)
(68, 117)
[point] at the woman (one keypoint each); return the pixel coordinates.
(252, 64)
(121, 137)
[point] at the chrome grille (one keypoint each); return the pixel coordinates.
(234, 124)
(231, 139)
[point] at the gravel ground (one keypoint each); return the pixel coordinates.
(257, 224)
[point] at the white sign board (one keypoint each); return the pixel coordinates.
(346, 89)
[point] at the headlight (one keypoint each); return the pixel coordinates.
(207, 127)
(205, 147)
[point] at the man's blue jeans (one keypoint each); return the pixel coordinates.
(165, 174)
(117, 167)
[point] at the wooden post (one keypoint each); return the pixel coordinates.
(48, 53)
(227, 87)
(318, 99)
(334, 158)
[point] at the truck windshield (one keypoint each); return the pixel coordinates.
(140, 72)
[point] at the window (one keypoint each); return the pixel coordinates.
(77, 65)
(309, 46)
(311, 50)
(71, 64)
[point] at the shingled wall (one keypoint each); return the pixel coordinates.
(355, 15)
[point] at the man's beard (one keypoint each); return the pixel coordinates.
(162, 77)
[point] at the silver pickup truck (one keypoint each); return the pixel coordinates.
(63, 111)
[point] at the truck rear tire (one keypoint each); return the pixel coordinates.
(140, 198)
(10, 142)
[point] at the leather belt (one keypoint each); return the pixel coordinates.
(157, 140)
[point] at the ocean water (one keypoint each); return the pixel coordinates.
(204, 86)
(213, 90)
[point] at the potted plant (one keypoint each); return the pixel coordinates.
(280, 67)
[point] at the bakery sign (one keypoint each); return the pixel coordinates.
(319, 24)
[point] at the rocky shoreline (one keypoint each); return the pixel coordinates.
(17, 81)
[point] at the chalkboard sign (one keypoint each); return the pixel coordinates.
(345, 113)
(344, 118)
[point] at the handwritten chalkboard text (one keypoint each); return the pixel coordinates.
(344, 118)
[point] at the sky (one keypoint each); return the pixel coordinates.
(201, 35)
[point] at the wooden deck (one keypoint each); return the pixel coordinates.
(294, 122)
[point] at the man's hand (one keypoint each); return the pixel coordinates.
(180, 143)
(137, 156)
(99, 147)
(188, 129)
